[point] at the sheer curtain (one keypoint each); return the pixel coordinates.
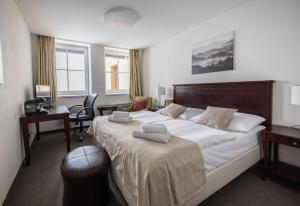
(135, 74)
(46, 63)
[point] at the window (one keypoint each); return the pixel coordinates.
(116, 71)
(72, 69)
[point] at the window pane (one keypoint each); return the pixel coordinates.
(76, 61)
(76, 81)
(108, 81)
(123, 65)
(61, 60)
(109, 62)
(124, 80)
(62, 83)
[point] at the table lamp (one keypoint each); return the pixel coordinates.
(295, 95)
(159, 92)
(295, 98)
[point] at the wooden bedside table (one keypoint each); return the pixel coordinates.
(274, 136)
(154, 109)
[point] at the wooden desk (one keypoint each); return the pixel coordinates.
(55, 113)
(280, 135)
(102, 108)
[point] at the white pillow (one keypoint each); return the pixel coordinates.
(189, 113)
(196, 118)
(242, 122)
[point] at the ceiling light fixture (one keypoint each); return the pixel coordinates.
(121, 17)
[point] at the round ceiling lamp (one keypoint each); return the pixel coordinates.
(121, 17)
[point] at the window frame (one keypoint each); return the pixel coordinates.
(75, 48)
(114, 52)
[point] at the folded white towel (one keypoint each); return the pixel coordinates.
(154, 128)
(119, 119)
(118, 114)
(157, 137)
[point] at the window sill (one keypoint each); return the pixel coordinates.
(115, 94)
(72, 95)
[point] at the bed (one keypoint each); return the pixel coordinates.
(221, 167)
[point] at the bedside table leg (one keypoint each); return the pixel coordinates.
(275, 146)
(266, 151)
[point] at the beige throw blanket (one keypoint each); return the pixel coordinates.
(150, 173)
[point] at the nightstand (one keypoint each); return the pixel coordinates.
(154, 109)
(271, 138)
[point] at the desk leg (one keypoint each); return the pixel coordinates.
(37, 127)
(67, 132)
(266, 151)
(275, 145)
(24, 125)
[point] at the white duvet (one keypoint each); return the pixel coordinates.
(202, 135)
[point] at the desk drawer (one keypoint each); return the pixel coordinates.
(293, 142)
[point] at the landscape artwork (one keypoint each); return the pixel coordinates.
(214, 55)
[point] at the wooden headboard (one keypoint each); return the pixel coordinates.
(253, 97)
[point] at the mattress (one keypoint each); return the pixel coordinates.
(219, 154)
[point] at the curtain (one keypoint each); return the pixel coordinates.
(135, 74)
(46, 63)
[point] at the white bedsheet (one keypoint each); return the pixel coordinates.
(217, 146)
(202, 135)
(217, 155)
(149, 117)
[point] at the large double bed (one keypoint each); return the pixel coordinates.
(223, 154)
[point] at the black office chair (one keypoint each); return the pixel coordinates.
(83, 112)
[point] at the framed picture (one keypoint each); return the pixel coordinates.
(1, 65)
(214, 55)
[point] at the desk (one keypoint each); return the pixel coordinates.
(55, 113)
(102, 108)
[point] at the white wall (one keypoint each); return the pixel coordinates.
(267, 47)
(97, 84)
(16, 89)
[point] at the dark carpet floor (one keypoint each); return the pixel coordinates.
(40, 184)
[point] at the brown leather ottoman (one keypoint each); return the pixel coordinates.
(85, 176)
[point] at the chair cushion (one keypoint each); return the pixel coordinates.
(138, 105)
(82, 116)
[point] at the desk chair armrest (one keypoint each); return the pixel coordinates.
(73, 107)
(80, 111)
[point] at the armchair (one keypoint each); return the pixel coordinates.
(83, 112)
(148, 104)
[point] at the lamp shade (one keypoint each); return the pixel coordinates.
(295, 95)
(169, 92)
(160, 91)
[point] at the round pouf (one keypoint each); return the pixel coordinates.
(85, 176)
